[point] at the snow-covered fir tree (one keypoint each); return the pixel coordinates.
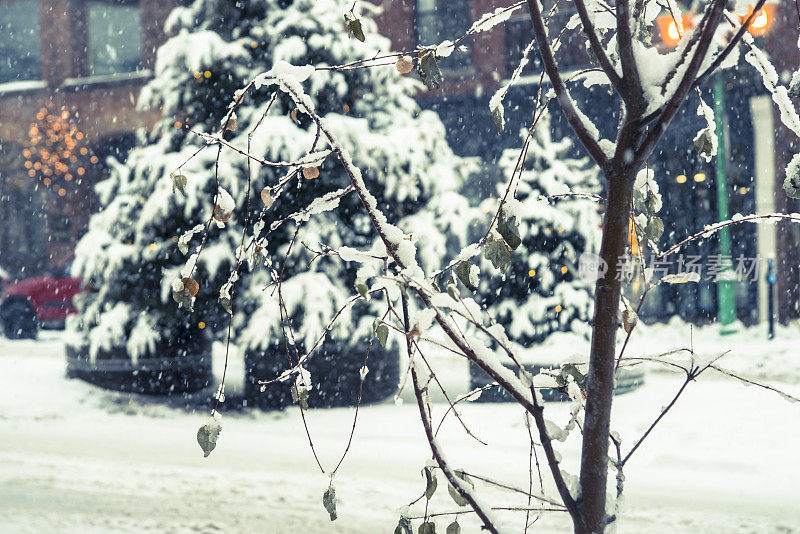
(541, 292)
(131, 253)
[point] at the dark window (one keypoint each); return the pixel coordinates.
(115, 36)
(570, 56)
(439, 20)
(20, 49)
(60, 229)
(519, 32)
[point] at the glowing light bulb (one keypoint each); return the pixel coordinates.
(673, 32)
(761, 21)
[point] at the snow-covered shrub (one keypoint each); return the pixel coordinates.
(541, 291)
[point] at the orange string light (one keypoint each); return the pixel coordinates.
(53, 152)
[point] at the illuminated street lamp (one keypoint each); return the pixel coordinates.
(762, 21)
(672, 31)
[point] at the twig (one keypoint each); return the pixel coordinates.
(732, 43)
(564, 99)
(783, 394)
(689, 377)
(547, 445)
(710, 230)
(449, 474)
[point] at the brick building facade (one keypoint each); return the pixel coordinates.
(58, 53)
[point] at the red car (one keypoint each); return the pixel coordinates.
(45, 301)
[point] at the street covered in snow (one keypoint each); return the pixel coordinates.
(76, 458)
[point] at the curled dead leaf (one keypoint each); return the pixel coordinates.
(220, 215)
(191, 286)
(404, 65)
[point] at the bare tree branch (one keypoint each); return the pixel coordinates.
(726, 372)
(597, 46)
(714, 228)
(712, 19)
(731, 45)
(568, 107)
(454, 481)
(690, 375)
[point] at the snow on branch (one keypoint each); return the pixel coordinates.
(496, 102)
(769, 75)
(587, 21)
(399, 246)
(740, 34)
(585, 130)
(489, 20)
(711, 229)
(683, 78)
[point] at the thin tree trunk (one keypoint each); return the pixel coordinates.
(600, 381)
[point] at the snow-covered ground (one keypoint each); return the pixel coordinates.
(747, 351)
(74, 458)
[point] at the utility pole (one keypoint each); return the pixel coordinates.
(771, 299)
(726, 291)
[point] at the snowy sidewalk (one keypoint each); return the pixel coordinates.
(78, 459)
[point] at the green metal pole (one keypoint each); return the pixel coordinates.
(726, 295)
